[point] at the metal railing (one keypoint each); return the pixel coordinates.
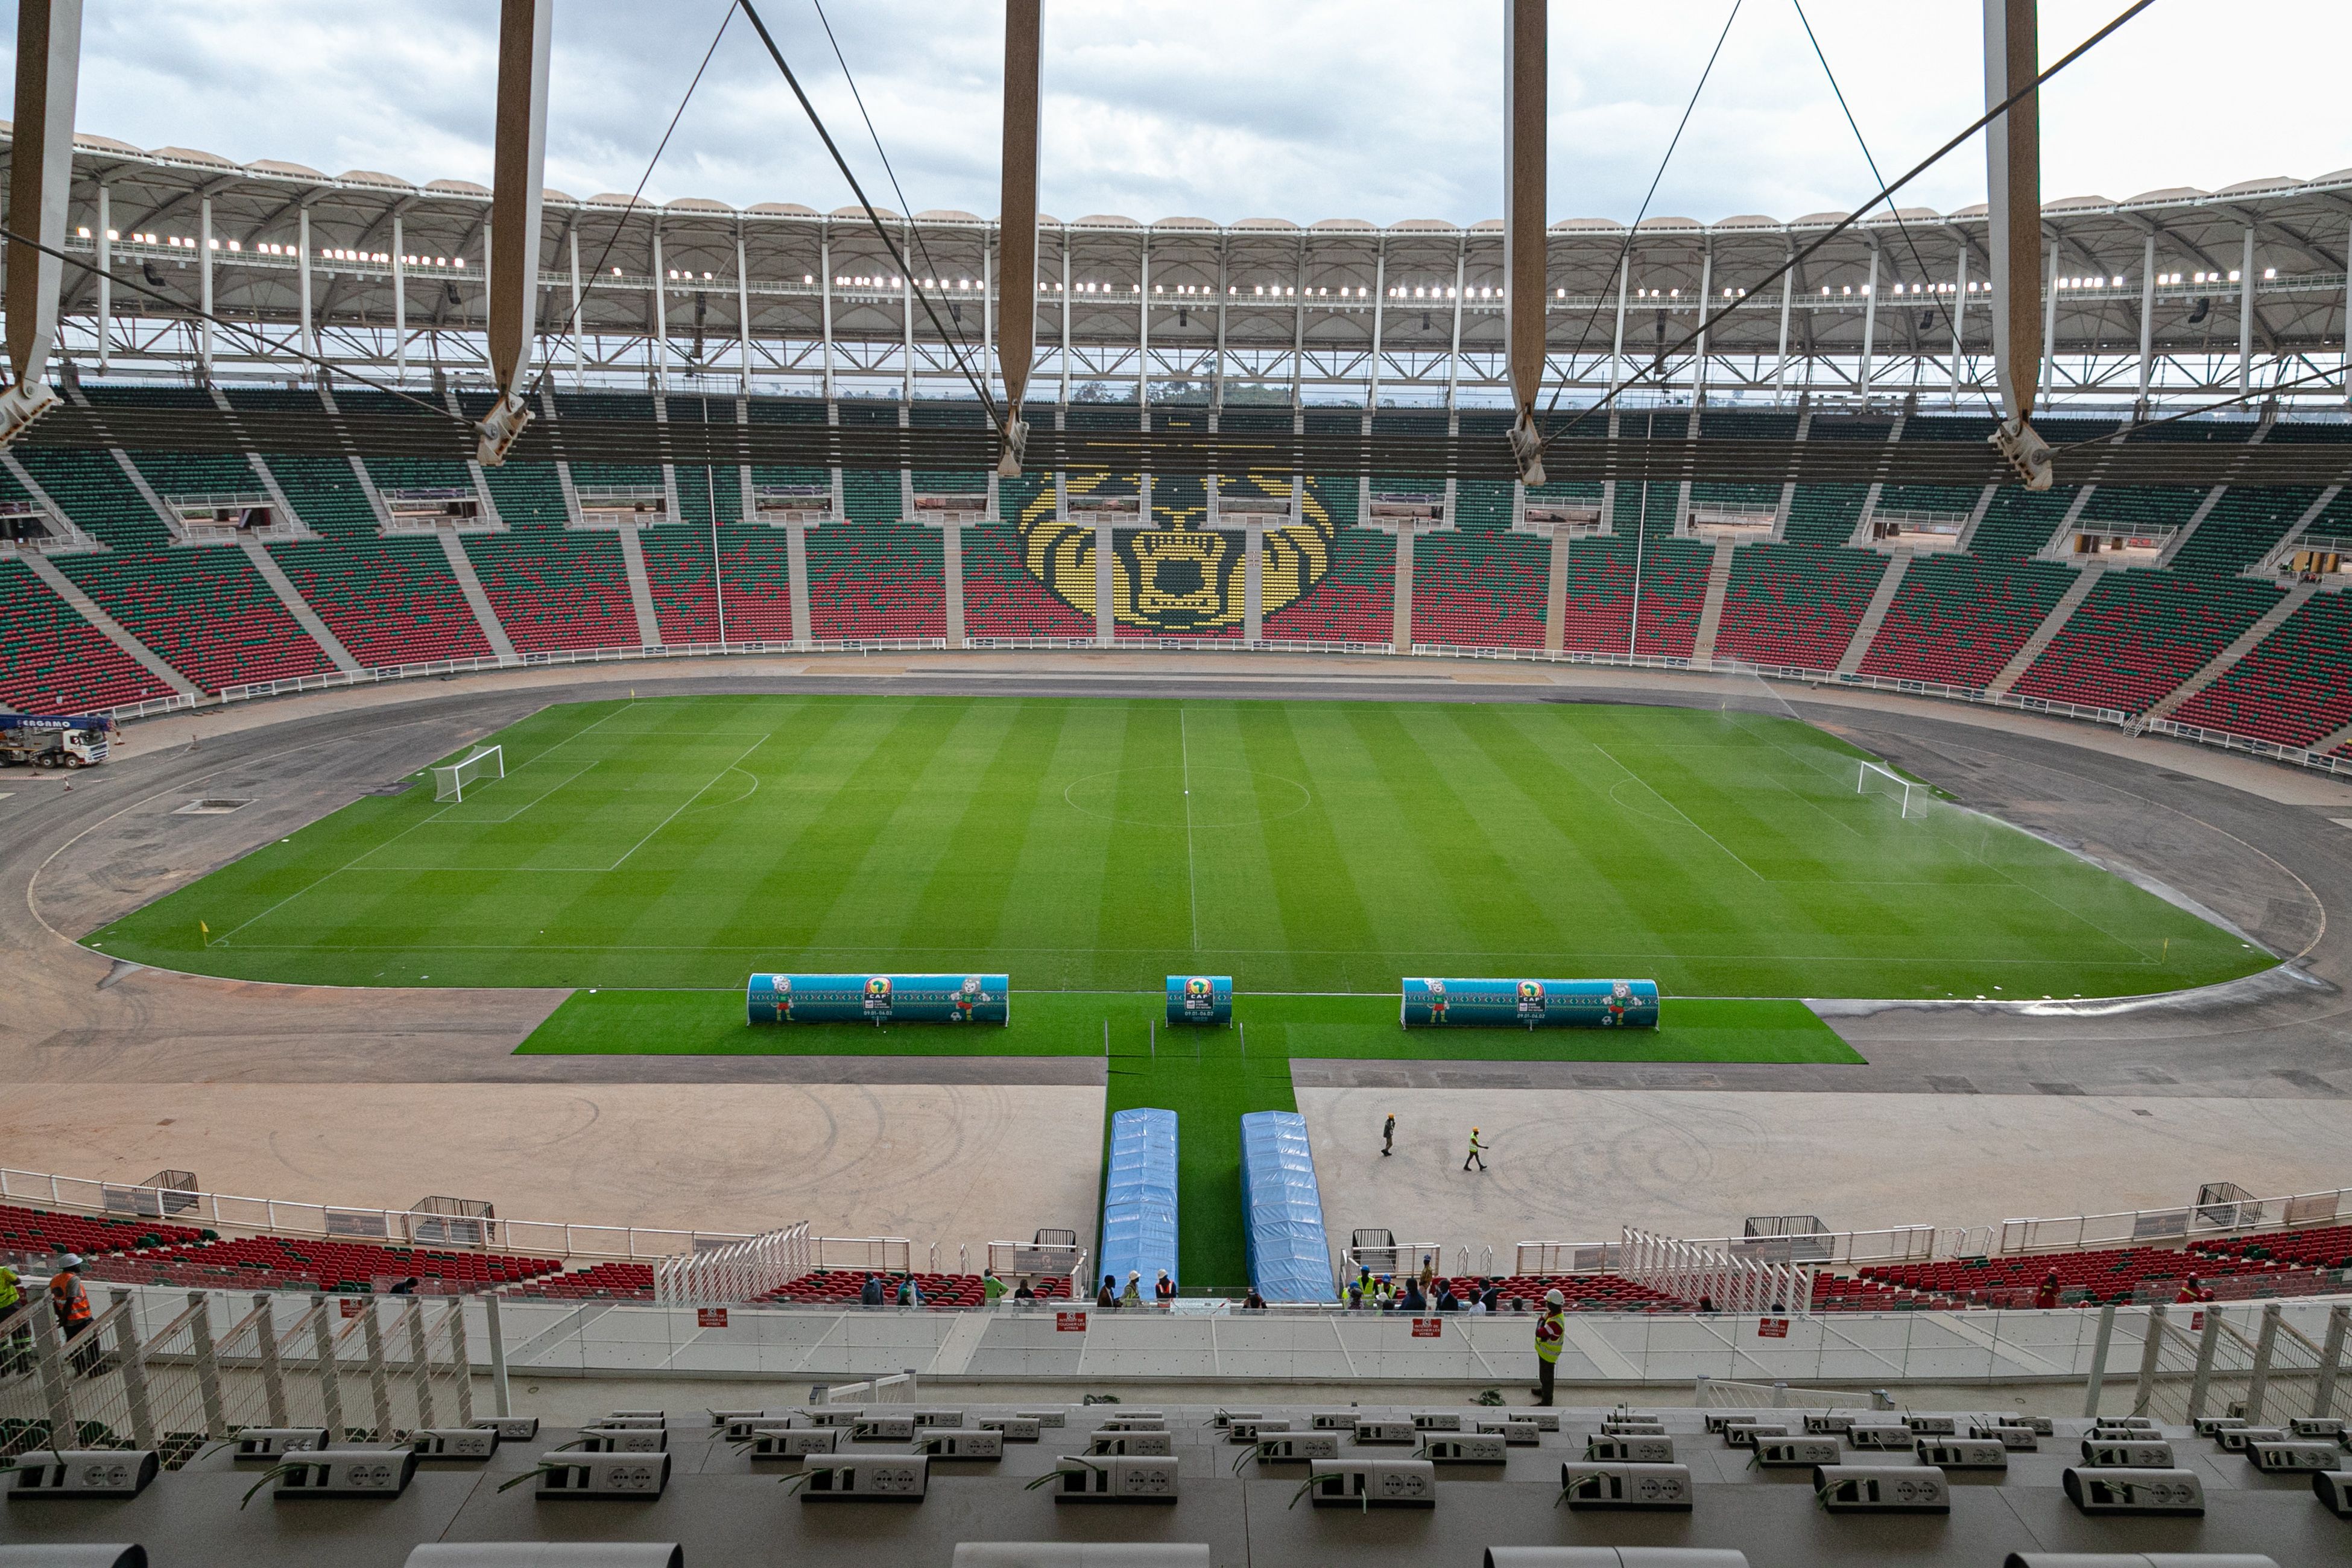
(896, 1388)
(740, 1271)
(707, 1264)
(173, 1370)
(1716, 1278)
(284, 1217)
(2113, 718)
(2187, 1222)
(1029, 1260)
(373, 1368)
(1731, 1393)
(2206, 1220)
(874, 1254)
(1896, 1243)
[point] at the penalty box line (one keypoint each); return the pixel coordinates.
(434, 815)
(689, 800)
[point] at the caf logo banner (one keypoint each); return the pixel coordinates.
(1201, 999)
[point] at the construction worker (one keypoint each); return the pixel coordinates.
(1478, 1153)
(1388, 1136)
(1133, 1295)
(17, 1357)
(991, 1289)
(1550, 1330)
(71, 1302)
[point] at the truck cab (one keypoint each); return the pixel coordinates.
(54, 741)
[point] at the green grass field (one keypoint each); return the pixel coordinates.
(1210, 1077)
(1099, 845)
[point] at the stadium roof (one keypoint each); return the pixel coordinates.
(1299, 297)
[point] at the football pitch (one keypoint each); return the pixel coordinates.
(1098, 845)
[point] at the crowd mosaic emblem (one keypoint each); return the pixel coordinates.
(1176, 576)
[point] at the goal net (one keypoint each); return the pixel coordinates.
(1875, 780)
(451, 783)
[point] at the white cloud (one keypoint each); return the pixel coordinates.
(1224, 110)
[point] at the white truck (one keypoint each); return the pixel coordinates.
(54, 740)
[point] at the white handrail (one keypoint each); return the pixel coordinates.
(1713, 1278)
(2216, 1220)
(740, 1271)
(562, 1239)
(2113, 718)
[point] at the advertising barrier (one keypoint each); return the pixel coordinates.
(1443, 1004)
(880, 999)
(1201, 999)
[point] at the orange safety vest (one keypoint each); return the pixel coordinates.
(68, 1299)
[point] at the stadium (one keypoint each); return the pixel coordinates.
(1016, 890)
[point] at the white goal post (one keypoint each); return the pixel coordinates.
(487, 762)
(1875, 780)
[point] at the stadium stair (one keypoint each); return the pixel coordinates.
(2292, 690)
(1481, 587)
(297, 606)
(641, 590)
(54, 661)
(1873, 615)
(1710, 615)
(1796, 605)
(2244, 643)
(2086, 579)
(2140, 633)
(391, 602)
(601, 1281)
(469, 583)
(107, 626)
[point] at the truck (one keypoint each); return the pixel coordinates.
(55, 739)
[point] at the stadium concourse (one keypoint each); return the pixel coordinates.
(1960, 1115)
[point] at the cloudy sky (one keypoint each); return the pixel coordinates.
(1227, 109)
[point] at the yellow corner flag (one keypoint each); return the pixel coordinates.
(203, 928)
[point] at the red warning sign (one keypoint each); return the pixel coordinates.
(1428, 1328)
(710, 1317)
(1069, 1322)
(1771, 1328)
(353, 1309)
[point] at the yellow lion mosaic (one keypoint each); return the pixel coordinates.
(1176, 576)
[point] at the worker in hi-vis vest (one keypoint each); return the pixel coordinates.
(1550, 1330)
(17, 1355)
(1478, 1153)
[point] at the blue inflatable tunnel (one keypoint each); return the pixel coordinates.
(1282, 1210)
(1138, 1224)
